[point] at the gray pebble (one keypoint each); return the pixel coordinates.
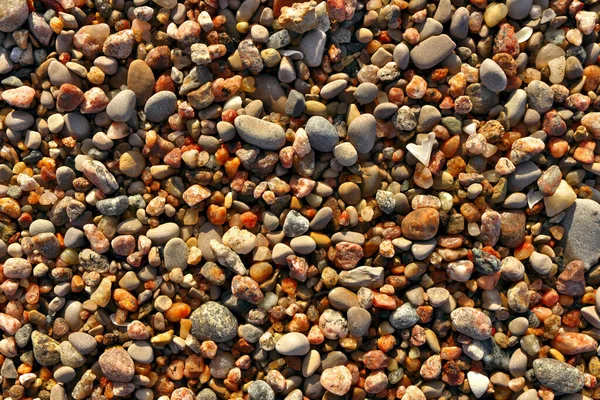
(312, 47)
(362, 133)
(321, 133)
(160, 106)
(492, 76)
(113, 206)
(122, 107)
(176, 254)
(366, 92)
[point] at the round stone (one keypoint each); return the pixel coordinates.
(117, 365)
(421, 224)
(160, 106)
(132, 163)
(293, 344)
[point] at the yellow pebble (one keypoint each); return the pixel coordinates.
(557, 355)
(242, 27)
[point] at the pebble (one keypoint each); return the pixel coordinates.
(117, 365)
(336, 380)
(293, 344)
(322, 134)
(580, 225)
(312, 47)
(14, 14)
(432, 51)
(122, 107)
(558, 376)
(263, 134)
(391, 197)
(362, 133)
(492, 76)
(213, 321)
(160, 106)
(471, 322)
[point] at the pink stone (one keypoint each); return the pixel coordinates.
(337, 380)
(19, 97)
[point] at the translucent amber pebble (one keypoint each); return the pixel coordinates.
(248, 84)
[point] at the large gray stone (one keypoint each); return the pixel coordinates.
(582, 232)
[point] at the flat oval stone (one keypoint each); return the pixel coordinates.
(432, 51)
(162, 233)
(293, 344)
(263, 134)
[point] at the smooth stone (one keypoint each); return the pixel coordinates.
(427, 29)
(268, 90)
(293, 344)
(140, 79)
(160, 106)
(401, 56)
(163, 233)
(432, 51)
(346, 154)
(310, 363)
(263, 134)
(312, 47)
(295, 104)
(77, 126)
(362, 133)
(518, 326)
(541, 263)
(582, 232)
(321, 133)
(492, 76)
(366, 92)
(122, 107)
(359, 321)
(516, 106)
(83, 342)
(175, 254)
(459, 26)
(64, 374)
(19, 120)
(525, 174)
(41, 226)
(141, 352)
(59, 74)
(332, 89)
(519, 9)
(342, 299)
(478, 383)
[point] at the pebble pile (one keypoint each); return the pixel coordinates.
(260, 200)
